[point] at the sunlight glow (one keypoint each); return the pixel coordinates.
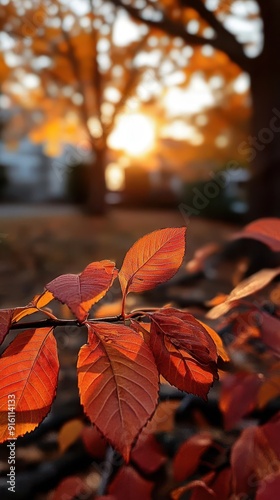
(134, 134)
(191, 100)
(124, 31)
(179, 130)
(115, 177)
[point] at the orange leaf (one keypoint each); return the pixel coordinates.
(81, 291)
(118, 383)
(129, 485)
(185, 354)
(37, 303)
(109, 309)
(188, 456)
(152, 260)
(238, 396)
(217, 300)
(69, 433)
(247, 287)
(266, 230)
(218, 342)
(42, 300)
(29, 368)
(21, 312)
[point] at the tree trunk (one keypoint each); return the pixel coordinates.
(262, 148)
(96, 201)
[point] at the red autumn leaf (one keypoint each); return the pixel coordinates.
(129, 485)
(70, 488)
(184, 352)
(106, 497)
(118, 383)
(188, 456)
(10, 316)
(270, 331)
(254, 457)
(271, 431)
(250, 285)
(81, 291)
(212, 485)
(266, 230)
(200, 487)
(147, 453)
(269, 487)
(222, 484)
(152, 260)
(6, 316)
(202, 492)
(29, 371)
(238, 396)
(94, 442)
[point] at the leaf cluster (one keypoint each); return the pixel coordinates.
(119, 367)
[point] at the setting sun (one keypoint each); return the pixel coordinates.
(134, 134)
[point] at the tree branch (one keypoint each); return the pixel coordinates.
(224, 40)
(167, 25)
(50, 322)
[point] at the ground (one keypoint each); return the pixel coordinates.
(39, 243)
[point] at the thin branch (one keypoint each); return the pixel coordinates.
(45, 323)
(110, 462)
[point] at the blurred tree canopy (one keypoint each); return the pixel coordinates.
(74, 67)
(248, 33)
